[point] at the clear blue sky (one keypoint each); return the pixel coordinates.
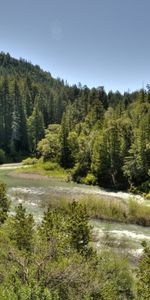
(95, 42)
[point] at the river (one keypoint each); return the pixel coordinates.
(33, 192)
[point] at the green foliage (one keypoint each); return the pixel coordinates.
(100, 160)
(79, 228)
(73, 226)
(35, 128)
(65, 155)
(116, 278)
(49, 147)
(143, 275)
(139, 213)
(106, 135)
(23, 229)
(19, 137)
(105, 138)
(106, 209)
(147, 196)
(131, 212)
(61, 265)
(50, 166)
(30, 161)
(4, 203)
(53, 224)
(89, 179)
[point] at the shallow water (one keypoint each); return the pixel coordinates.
(60, 185)
(124, 229)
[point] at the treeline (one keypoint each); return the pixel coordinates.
(56, 260)
(103, 137)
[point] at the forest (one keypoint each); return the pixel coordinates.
(103, 138)
(98, 138)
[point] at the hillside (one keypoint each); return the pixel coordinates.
(103, 137)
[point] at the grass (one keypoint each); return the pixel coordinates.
(131, 212)
(106, 209)
(50, 169)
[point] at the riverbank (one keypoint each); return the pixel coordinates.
(52, 171)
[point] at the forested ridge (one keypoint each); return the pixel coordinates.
(104, 138)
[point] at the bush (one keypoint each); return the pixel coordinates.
(79, 172)
(30, 161)
(145, 187)
(147, 196)
(89, 179)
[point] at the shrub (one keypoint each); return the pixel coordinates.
(89, 179)
(30, 161)
(145, 187)
(147, 196)
(79, 172)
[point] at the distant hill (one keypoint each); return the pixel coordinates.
(10, 66)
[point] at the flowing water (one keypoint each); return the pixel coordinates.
(33, 193)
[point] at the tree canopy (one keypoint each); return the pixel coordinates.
(103, 137)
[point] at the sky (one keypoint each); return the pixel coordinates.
(95, 42)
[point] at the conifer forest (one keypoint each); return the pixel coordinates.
(103, 137)
(97, 139)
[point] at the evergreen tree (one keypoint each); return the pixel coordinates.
(143, 275)
(19, 137)
(5, 115)
(4, 203)
(66, 125)
(79, 228)
(35, 128)
(100, 160)
(23, 229)
(28, 97)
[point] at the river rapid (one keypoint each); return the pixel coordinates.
(35, 192)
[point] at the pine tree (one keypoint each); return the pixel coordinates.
(79, 228)
(35, 128)
(19, 137)
(28, 97)
(143, 275)
(6, 115)
(100, 160)
(65, 158)
(4, 203)
(23, 229)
